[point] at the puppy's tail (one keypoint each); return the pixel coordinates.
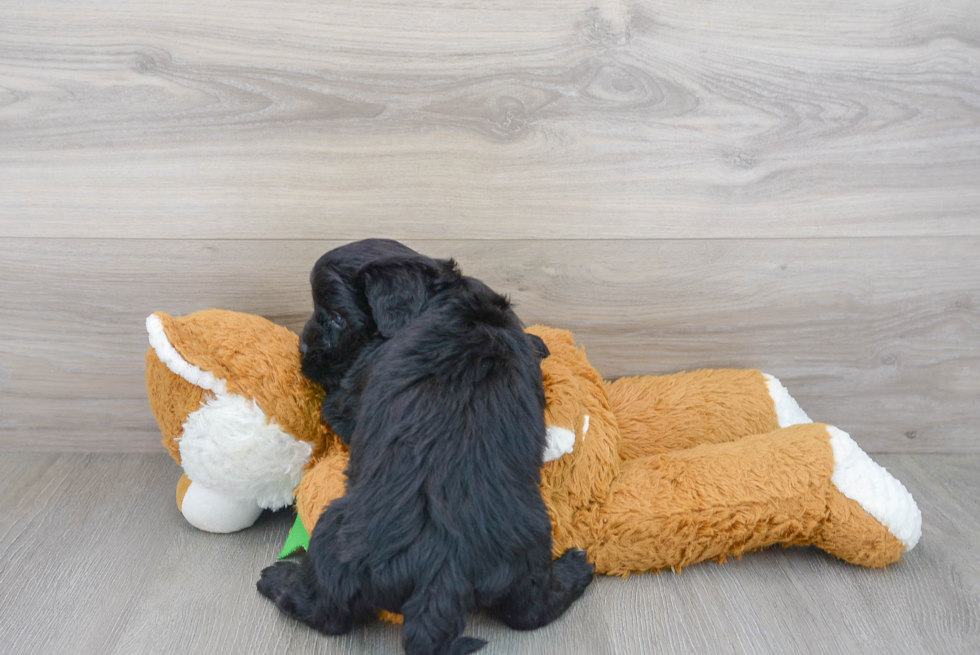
(464, 645)
(435, 617)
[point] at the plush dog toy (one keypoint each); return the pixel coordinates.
(644, 473)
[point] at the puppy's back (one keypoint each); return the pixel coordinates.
(445, 459)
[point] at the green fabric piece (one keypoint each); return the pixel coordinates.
(297, 539)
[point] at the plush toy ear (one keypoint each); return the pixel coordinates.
(397, 288)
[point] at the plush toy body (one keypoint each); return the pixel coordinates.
(644, 473)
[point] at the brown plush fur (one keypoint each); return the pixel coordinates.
(575, 486)
(855, 536)
(713, 501)
(172, 399)
(658, 414)
(182, 486)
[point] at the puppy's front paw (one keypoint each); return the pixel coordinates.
(277, 582)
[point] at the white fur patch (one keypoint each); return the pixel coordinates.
(560, 441)
(177, 364)
(788, 411)
(231, 446)
(862, 480)
(585, 426)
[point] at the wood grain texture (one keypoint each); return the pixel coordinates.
(498, 119)
(96, 541)
(878, 336)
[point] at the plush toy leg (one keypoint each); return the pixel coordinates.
(321, 485)
(802, 485)
(212, 511)
(658, 414)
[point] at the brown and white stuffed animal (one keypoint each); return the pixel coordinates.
(644, 473)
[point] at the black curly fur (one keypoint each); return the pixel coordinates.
(432, 380)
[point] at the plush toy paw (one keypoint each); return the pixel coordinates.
(872, 518)
(212, 511)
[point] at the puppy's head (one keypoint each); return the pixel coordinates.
(363, 292)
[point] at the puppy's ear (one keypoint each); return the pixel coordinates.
(539, 346)
(396, 288)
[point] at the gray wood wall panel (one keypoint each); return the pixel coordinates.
(497, 119)
(878, 336)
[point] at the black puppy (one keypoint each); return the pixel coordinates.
(439, 393)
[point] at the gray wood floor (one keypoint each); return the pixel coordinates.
(94, 558)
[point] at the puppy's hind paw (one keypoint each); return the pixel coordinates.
(573, 571)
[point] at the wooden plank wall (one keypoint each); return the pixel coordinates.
(788, 186)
